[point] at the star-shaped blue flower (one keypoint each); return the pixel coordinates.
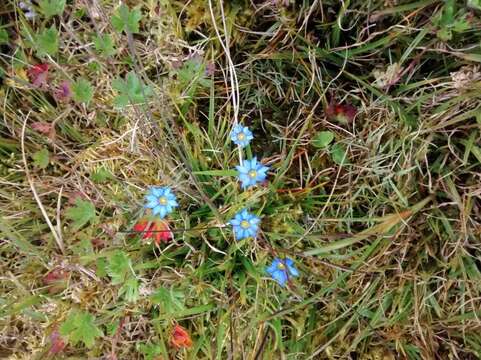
(251, 172)
(161, 200)
(241, 135)
(245, 224)
(281, 269)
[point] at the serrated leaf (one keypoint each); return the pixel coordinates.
(130, 290)
(46, 42)
(322, 139)
(131, 90)
(80, 327)
(3, 36)
(169, 301)
(339, 154)
(51, 7)
(126, 20)
(82, 213)
(82, 91)
(41, 158)
(104, 45)
(119, 267)
(193, 71)
(101, 175)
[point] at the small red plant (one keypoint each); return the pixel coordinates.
(156, 229)
(63, 92)
(38, 75)
(344, 113)
(180, 338)
(56, 280)
(58, 344)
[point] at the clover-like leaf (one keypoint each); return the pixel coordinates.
(126, 20)
(41, 158)
(170, 301)
(81, 214)
(104, 45)
(80, 327)
(130, 290)
(339, 154)
(51, 7)
(131, 90)
(119, 267)
(322, 139)
(82, 91)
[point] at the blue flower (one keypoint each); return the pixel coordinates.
(241, 135)
(245, 224)
(251, 172)
(281, 269)
(161, 200)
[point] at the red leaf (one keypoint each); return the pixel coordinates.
(180, 338)
(38, 75)
(42, 127)
(341, 112)
(156, 229)
(56, 280)
(58, 344)
(63, 92)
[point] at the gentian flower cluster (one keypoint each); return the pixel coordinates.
(162, 201)
(245, 224)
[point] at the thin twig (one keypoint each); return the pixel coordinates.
(57, 235)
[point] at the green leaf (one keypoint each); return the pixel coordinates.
(131, 90)
(47, 42)
(41, 158)
(82, 213)
(80, 327)
(130, 290)
(51, 7)
(3, 36)
(126, 20)
(150, 351)
(169, 301)
(339, 154)
(461, 25)
(192, 71)
(322, 139)
(104, 45)
(82, 91)
(101, 175)
(474, 4)
(119, 267)
(445, 34)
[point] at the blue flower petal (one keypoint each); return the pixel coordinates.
(280, 276)
(156, 191)
(293, 271)
(152, 204)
